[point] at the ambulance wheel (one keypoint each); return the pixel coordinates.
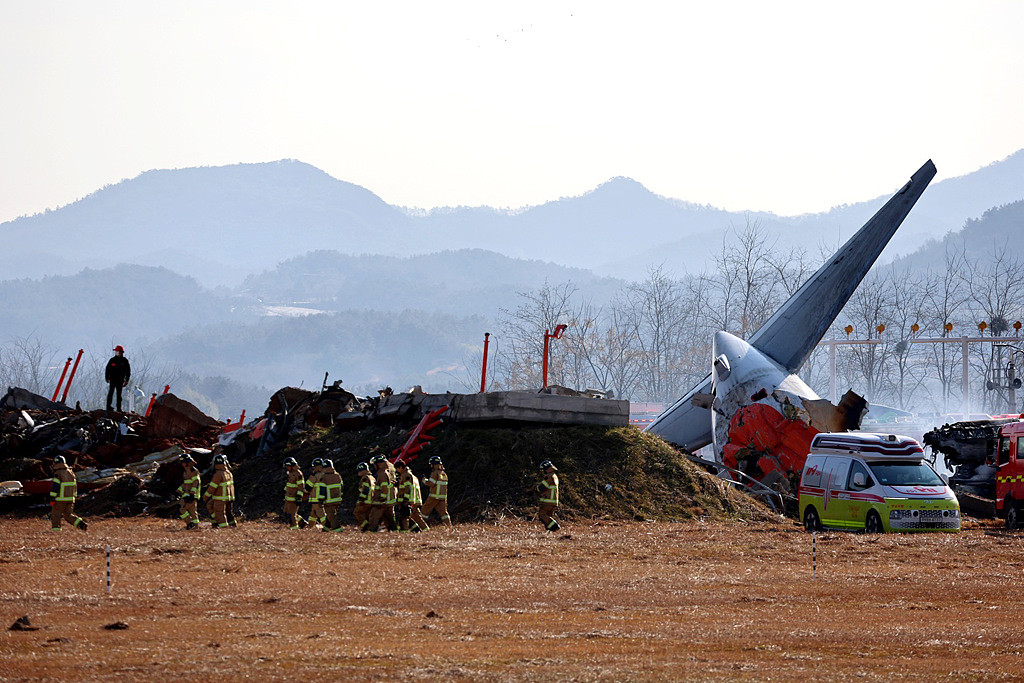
(873, 523)
(811, 520)
(1012, 516)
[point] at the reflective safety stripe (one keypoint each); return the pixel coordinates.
(66, 490)
(439, 489)
(221, 491)
(333, 493)
(551, 496)
(366, 492)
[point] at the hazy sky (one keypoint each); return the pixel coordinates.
(782, 106)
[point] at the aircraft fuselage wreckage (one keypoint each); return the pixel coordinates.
(758, 414)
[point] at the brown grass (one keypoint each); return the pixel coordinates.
(499, 601)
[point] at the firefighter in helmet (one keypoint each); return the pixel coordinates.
(331, 483)
(293, 489)
(367, 489)
(221, 492)
(190, 491)
(437, 487)
(385, 495)
(410, 498)
(63, 492)
(548, 490)
(314, 494)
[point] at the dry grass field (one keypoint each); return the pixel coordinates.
(504, 601)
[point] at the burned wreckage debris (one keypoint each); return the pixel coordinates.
(127, 464)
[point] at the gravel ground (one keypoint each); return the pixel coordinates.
(505, 601)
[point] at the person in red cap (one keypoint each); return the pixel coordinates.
(119, 371)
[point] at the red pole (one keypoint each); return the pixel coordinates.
(483, 372)
(547, 336)
(61, 380)
(152, 400)
(74, 369)
(167, 387)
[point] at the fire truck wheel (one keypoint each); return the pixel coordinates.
(811, 520)
(873, 523)
(1012, 515)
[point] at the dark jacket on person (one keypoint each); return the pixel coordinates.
(119, 370)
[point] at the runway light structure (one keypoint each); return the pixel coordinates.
(548, 336)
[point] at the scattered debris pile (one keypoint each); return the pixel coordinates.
(124, 463)
(491, 445)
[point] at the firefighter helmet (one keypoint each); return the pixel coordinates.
(363, 467)
(60, 460)
(317, 462)
(435, 460)
(547, 465)
(401, 463)
(186, 458)
(328, 463)
(377, 459)
(220, 459)
(291, 462)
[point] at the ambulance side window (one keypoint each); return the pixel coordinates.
(1020, 445)
(838, 472)
(863, 471)
(812, 472)
(1004, 450)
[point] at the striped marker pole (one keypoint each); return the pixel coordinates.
(814, 555)
(108, 570)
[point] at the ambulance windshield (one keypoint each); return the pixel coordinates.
(905, 474)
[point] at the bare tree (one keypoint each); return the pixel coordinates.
(522, 334)
(29, 363)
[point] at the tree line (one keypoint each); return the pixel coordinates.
(652, 342)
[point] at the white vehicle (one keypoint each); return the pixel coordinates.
(874, 482)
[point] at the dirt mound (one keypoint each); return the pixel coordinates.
(609, 472)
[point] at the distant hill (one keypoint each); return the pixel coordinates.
(997, 230)
(367, 349)
(122, 305)
(221, 224)
(459, 282)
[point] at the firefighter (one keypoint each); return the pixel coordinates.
(384, 496)
(437, 485)
(221, 491)
(331, 483)
(548, 490)
(293, 489)
(190, 491)
(364, 503)
(410, 498)
(314, 494)
(63, 492)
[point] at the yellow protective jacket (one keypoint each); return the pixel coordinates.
(437, 482)
(293, 487)
(548, 489)
(222, 486)
(331, 482)
(367, 489)
(384, 493)
(190, 485)
(65, 487)
(409, 490)
(314, 488)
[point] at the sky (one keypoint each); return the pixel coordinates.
(790, 107)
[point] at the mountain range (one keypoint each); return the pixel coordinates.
(222, 224)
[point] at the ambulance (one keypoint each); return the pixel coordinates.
(874, 482)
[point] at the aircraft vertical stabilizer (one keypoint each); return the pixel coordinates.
(791, 334)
